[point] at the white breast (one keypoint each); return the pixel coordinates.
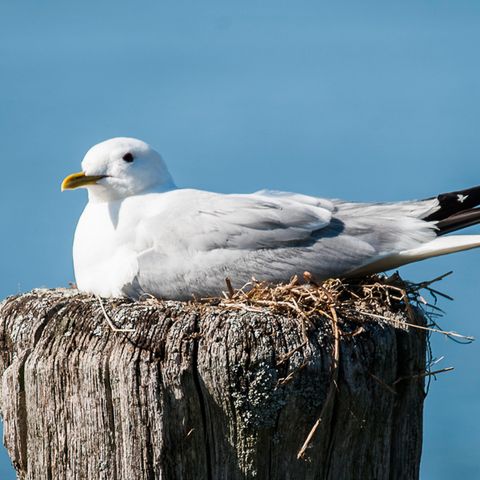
(103, 253)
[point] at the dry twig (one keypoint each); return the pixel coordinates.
(109, 321)
(333, 384)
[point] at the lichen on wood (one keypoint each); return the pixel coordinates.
(212, 390)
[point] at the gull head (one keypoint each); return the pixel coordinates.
(119, 168)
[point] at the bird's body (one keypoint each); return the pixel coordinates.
(153, 238)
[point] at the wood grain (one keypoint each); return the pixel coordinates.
(203, 393)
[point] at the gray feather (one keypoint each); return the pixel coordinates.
(272, 236)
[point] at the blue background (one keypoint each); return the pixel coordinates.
(358, 100)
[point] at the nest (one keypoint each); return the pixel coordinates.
(380, 298)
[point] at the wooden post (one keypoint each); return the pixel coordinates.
(204, 393)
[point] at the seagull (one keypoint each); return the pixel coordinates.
(141, 235)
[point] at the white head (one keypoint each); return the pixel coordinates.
(119, 168)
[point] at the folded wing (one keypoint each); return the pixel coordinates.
(199, 238)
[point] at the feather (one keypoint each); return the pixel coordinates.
(435, 248)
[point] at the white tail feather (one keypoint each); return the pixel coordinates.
(434, 248)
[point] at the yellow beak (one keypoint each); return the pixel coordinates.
(76, 180)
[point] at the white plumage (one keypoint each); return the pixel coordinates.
(139, 234)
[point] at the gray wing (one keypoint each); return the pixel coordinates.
(199, 221)
(269, 235)
(260, 221)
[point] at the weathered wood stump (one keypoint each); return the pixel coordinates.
(204, 393)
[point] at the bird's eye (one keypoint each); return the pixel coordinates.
(128, 157)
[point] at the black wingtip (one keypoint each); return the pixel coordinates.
(455, 202)
(457, 210)
(458, 221)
